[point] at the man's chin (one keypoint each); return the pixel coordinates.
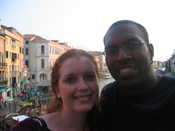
(130, 80)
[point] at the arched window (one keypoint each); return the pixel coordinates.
(43, 77)
(27, 51)
(26, 42)
(27, 63)
(42, 63)
(42, 49)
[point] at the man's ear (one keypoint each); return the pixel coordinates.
(151, 50)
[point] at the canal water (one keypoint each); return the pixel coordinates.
(10, 108)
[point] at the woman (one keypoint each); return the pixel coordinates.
(74, 83)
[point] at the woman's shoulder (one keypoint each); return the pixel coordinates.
(48, 117)
(52, 120)
(31, 124)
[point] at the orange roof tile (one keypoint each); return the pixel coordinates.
(34, 38)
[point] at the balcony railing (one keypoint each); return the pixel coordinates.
(2, 64)
(2, 32)
(3, 83)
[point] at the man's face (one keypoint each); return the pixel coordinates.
(128, 55)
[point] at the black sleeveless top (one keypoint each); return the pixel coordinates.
(31, 124)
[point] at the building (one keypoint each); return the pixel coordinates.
(99, 58)
(11, 60)
(40, 56)
(170, 63)
(158, 65)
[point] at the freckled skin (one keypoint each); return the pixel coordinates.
(78, 86)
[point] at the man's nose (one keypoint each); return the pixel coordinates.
(122, 54)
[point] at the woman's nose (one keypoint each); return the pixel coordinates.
(82, 84)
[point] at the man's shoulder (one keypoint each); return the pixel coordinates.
(168, 81)
(109, 88)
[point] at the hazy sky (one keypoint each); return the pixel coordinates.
(83, 23)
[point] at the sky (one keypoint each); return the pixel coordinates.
(83, 23)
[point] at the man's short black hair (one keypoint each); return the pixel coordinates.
(140, 27)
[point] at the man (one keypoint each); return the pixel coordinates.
(138, 100)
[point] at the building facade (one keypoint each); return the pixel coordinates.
(100, 60)
(11, 59)
(170, 63)
(40, 56)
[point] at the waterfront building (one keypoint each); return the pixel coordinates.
(158, 65)
(99, 58)
(40, 55)
(11, 61)
(170, 63)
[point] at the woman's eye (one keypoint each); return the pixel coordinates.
(90, 77)
(70, 80)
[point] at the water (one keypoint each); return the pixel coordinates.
(13, 108)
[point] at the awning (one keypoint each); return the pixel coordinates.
(33, 92)
(24, 103)
(25, 81)
(170, 75)
(2, 89)
(16, 88)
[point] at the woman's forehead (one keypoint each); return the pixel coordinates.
(75, 64)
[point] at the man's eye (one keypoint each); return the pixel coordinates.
(90, 77)
(133, 45)
(111, 50)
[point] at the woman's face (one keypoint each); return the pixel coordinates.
(77, 85)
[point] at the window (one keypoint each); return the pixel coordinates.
(20, 49)
(27, 51)
(8, 94)
(13, 41)
(43, 77)
(42, 49)
(26, 42)
(14, 56)
(6, 54)
(42, 63)
(33, 76)
(13, 67)
(27, 63)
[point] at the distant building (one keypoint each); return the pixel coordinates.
(158, 65)
(170, 63)
(40, 55)
(11, 61)
(99, 58)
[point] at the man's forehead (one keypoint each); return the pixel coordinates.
(123, 31)
(125, 28)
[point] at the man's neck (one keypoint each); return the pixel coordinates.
(139, 88)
